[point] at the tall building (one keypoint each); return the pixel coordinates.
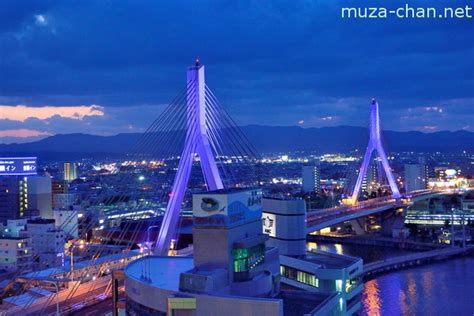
(13, 197)
(69, 171)
(25, 196)
(311, 179)
(416, 177)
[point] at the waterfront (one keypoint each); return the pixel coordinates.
(433, 289)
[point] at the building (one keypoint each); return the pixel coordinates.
(13, 197)
(15, 253)
(46, 241)
(283, 220)
(312, 271)
(67, 221)
(25, 196)
(325, 272)
(416, 177)
(233, 272)
(311, 179)
(69, 171)
(62, 198)
(40, 195)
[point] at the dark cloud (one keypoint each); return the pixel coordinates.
(292, 61)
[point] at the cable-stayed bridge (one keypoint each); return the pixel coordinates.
(193, 131)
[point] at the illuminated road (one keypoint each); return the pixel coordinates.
(319, 219)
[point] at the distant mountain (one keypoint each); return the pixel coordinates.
(264, 138)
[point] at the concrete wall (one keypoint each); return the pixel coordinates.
(156, 298)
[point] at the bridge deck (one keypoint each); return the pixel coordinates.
(319, 219)
(397, 261)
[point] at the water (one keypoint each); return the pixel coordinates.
(367, 253)
(442, 288)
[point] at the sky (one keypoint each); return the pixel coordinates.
(108, 67)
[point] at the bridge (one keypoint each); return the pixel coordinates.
(319, 219)
(352, 208)
(210, 138)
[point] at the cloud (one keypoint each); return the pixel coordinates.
(22, 112)
(294, 61)
(40, 20)
(23, 133)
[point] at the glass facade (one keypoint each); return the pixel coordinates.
(299, 276)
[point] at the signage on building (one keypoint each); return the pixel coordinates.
(269, 224)
(18, 166)
(227, 209)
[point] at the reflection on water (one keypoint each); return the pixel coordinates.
(371, 299)
(443, 288)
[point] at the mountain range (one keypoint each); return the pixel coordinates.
(267, 139)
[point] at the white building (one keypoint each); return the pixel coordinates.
(47, 242)
(67, 221)
(311, 179)
(15, 253)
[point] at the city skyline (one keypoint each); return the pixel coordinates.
(300, 64)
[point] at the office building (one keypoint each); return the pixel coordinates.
(13, 197)
(416, 177)
(25, 196)
(311, 179)
(70, 171)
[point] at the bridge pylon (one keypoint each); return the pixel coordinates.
(196, 143)
(375, 144)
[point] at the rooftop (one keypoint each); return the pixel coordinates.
(165, 271)
(41, 221)
(329, 260)
(228, 191)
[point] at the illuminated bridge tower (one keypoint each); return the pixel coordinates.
(197, 142)
(375, 144)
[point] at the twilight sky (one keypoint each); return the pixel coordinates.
(105, 67)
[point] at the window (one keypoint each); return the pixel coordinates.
(248, 258)
(299, 276)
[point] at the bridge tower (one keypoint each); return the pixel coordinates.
(375, 144)
(196, 143)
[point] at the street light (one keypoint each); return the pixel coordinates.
(71, 266)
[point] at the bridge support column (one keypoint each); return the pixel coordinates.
(358, 226)
(375, 144)
(196, 143)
